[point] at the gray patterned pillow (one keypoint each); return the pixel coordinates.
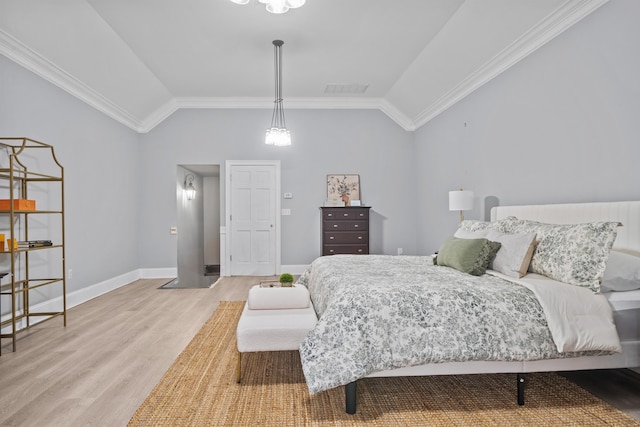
(571, 253)
(473, 225)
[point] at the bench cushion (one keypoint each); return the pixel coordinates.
(274, 330)
(296, 296)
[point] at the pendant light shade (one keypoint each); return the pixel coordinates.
(278, 134)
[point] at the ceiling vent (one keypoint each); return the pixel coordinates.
(348, 88)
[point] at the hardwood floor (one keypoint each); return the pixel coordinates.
(114, 350)
(101, 367)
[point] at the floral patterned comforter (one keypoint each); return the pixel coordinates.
(384, 312)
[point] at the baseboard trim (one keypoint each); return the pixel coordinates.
(93, 291)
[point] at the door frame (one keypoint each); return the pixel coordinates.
(227, 210)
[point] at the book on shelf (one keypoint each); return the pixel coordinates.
(34, 243)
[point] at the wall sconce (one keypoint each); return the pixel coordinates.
(189, 189)
(460, 201)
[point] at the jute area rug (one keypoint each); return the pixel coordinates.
(200, 389)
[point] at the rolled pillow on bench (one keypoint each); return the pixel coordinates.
(278, 298)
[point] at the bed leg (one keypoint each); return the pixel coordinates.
(350, 397)
(521, 383)
(239, 372)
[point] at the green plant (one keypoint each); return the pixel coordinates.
(286, 280)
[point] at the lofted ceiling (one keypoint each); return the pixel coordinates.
(138, 61)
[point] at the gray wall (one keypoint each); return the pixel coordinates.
(190, 237)
(560, 126)
(324, 142)
(101, 166)
(211, 197)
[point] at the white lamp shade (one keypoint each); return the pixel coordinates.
(460, 200)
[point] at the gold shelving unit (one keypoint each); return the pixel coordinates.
(33, 276)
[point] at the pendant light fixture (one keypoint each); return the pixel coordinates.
(278, 134)
(276, 6)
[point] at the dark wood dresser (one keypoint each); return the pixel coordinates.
(345, 230)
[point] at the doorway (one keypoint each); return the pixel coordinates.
(198, 226)
(253, 217)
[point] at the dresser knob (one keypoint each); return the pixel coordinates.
(329, 214)
(359, 250)
(331, 238)
(359, 237)
(331, 250)
(355, 225)
(346, 214)
(335, 225)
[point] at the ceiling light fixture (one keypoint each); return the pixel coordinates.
(278, 134)
(276, 6)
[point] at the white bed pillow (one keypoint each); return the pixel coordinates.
(461, 233)
(278, 298)
(622, 273)
(515, 254)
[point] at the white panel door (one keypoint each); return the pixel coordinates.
(253, 220)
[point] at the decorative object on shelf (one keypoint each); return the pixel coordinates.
(286, 280)
(12, 244)
(278, 134)
(18, 205)
(343, 188)
(276, 6)
(461, 201)
(34, 243)
(189, 189)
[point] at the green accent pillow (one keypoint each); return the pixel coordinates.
(471, 256)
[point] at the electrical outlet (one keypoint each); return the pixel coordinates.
(70, 274)
(173, 230)
(399, 251)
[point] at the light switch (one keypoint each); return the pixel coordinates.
(286, 211)
(288, 195)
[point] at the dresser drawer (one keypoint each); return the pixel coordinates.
(344, 213)
(345, 225)
(345, 249)
(348, 237)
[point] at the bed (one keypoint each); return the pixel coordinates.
(377, 313)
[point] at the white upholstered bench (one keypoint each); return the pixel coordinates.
(274, 319)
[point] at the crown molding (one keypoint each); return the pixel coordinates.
(26, 57)
(335, 103)
(558, 21)
(555, 23)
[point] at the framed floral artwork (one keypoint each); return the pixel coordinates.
(343, 187)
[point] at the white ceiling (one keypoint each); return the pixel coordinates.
(140, 60)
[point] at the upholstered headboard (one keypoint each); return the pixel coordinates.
(628, 213)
